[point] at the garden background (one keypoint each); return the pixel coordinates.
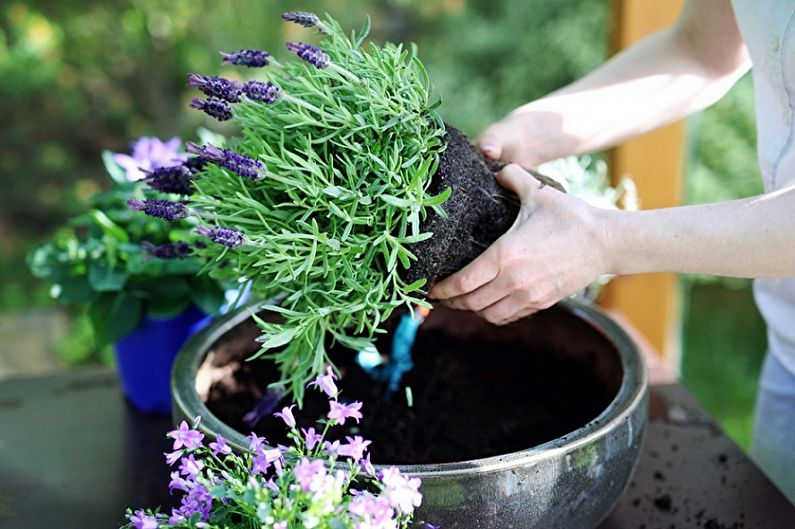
(78, 77)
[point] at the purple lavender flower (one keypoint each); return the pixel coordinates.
(220, 446)
(164, 209)
(326, 382)
(186, 436)
(175, 179)
(237, 163)
(250, 58)
(287, 416)
(311, 438)
(340, 412)
(231, 91)
(302, 18)
(355, 447)
(263, 406)
(229, 237)
(141, 520)
(265, 92)
(148, 154)
(169, 250)
(314, 56)
(213, 107)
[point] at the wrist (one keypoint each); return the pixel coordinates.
(614, 225)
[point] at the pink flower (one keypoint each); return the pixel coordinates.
(326, 382)
(185, 436)
(403, 492)
(287, 416)
(309, 474)
(340, 412)
(355, 447)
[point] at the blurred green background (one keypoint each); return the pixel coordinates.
(77, 77)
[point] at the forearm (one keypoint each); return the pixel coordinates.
(753, 237)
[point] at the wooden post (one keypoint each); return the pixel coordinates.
(655, 162)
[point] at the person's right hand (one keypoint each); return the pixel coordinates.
(522, 137)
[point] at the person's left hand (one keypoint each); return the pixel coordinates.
(556, 247)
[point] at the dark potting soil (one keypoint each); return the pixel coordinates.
(479, 211)
(471, 399)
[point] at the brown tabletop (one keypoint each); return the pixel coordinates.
(73, 454)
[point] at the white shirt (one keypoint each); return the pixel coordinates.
(768, 28)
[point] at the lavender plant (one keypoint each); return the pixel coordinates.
(319, 199)
(312, 483)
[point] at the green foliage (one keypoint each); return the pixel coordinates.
(98, 260)
(349, 151)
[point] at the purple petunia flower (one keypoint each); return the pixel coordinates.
(229, 237)
(231, 91)
(148, 154)
(355, 447)
(174, 179)
(164, 209)
(168, 250)
(311, 438)
(340, 412)
(141, 520)
(220, 446)
(213, 107)
(186, 436)
(287, 416)
(311, 54)
(250, 58)
(326, 382)
(302, 18)
(264, 92)
(237, 163)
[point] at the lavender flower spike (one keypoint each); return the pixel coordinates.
(314, 56)
(265, 92)
(214, 107)
(302, 18)
(176, 179)
(237, 163)
(169, 250)
(164, 209)
(250, 58)
(229, 237)
(219, 87)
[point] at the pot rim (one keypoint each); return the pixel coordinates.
(631, 394)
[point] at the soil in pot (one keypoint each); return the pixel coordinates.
(473, 396)
(479, 211)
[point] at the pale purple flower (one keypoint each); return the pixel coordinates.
(287, 416)
(179, 483)
(219, 87)
(332, 449)
(229, 237)
(162, 209)
(255, 443)
(341, 412)
(311, 54)
(309, 474)
(141, 520)
(355, 447)
(311, 438)
(262, 462)
(220, 446)
(197, 500)
(375, 512)
(237, 163)
(367, 465)
(190, 467)
(403, 492)
(185, 436)
(173, 457)
(213, 107)
(250, 58)
(148, 154)
(326, 383)
(302, 18)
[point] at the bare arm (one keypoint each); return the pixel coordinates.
(664, 77)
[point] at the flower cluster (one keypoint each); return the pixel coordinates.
(312, 483)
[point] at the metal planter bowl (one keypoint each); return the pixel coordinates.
(571, 482)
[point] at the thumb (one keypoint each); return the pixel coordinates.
(516, 179)
(491, 143)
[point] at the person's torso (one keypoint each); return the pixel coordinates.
(768, 28)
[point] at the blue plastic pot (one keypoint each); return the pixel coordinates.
(145, 357)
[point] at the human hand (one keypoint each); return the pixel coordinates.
(527, 138)
(556, 247)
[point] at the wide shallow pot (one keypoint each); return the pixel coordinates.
(571, 481)
(145, 356)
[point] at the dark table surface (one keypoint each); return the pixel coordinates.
(74, 454)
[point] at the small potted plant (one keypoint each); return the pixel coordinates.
(137, 276)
